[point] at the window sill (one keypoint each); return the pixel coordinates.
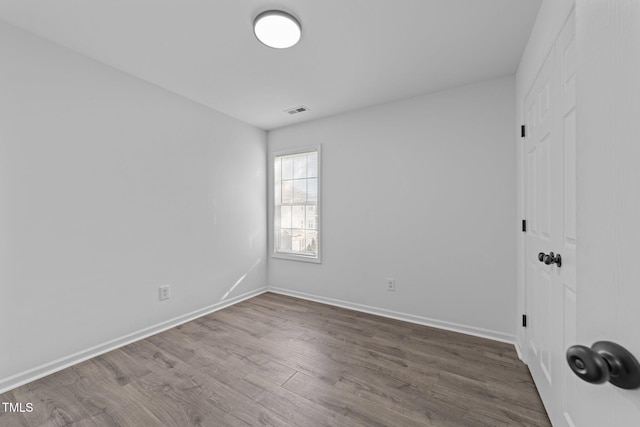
(296, 258)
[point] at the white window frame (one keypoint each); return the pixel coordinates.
(287, 256)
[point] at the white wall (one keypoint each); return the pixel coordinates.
(551, 18)
(422, 190)
(110, 187)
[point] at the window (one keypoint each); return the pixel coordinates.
(296, 227)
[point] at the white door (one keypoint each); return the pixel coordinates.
(582, 196)
(608, 166)
(550, 207)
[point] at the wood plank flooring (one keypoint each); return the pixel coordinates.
(281, 361)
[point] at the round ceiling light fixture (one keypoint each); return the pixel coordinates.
(277, 29)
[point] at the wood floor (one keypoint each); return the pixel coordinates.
(276, 360)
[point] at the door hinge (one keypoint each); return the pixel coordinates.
(524, 225)
(523, 132)
(524, 320)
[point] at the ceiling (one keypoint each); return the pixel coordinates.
(353, 53)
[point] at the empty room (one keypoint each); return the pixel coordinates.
(319, 213)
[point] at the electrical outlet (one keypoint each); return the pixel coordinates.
(391, 285)
(165, 292)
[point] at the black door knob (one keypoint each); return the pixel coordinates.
(557, 260)
(587, 364)
(550, 259)
(605, 361)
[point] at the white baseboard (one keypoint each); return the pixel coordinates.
(420, 320)
(33, 374)
(516, 344)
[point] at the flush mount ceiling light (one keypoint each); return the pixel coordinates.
(277, 29)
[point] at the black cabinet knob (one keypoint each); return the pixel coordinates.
(605, 361)
(541, 256)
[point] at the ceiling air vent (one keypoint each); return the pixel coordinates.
(296, 110)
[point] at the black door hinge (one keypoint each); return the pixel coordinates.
(524, 320)
(524, 225)
(523, 132)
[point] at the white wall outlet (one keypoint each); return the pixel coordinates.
(391, 285)
(165, 292)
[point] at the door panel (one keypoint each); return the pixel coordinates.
(594, 220)
(570, 382)
(532, 188)
(532, 305)
(544, 316)
(541, 205)
(550, 202)
(569, 139)
(566, 46)
(544, 187)
(608, 224)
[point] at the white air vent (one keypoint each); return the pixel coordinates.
(296, 110)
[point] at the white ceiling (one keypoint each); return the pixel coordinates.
(353, 53)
